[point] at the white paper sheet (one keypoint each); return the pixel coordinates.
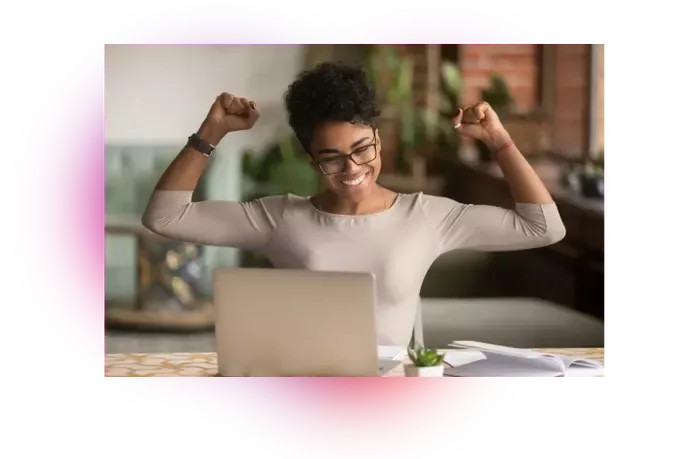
(501, 361)
(391, 352)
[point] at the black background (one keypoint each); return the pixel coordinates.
(648, 409)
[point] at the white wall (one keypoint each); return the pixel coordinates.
(160, 94)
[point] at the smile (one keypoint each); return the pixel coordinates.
(354, 182)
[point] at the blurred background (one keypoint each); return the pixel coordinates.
(549, 97)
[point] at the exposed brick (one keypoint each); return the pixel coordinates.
(517, 64)
(570, 117)
(600, 141)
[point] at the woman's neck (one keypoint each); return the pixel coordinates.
(376, 201)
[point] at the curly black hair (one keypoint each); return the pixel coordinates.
(332, 91)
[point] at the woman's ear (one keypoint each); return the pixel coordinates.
(378, 139)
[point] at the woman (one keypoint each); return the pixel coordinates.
(354, 224)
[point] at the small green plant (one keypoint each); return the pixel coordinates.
(422, 357)
(280, 168)
(498, 95)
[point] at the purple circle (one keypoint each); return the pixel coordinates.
(57, 194)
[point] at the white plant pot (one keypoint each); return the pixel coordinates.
(413, 371)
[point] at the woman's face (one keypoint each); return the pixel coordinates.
(332, 143)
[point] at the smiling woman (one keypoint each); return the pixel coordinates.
(332, 109)
(354, 224)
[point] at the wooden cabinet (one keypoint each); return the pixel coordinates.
(570, 272)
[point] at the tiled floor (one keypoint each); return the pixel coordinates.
(130, 342)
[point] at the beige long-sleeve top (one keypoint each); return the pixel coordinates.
(397, 245)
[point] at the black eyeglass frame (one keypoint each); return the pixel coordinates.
(345, 156)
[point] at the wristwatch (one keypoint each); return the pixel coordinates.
(200, 145)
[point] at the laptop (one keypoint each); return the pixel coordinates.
(287, 323)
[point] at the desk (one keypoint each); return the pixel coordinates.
(204, 364)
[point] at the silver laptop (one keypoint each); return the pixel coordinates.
(277, 322)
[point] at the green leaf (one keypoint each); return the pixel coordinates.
(405, 81)
(497, 95)
(293, 176)
(446, 105)
(451, 78)
(414, 357)
(422, 357)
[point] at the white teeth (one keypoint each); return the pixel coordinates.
(355, 182)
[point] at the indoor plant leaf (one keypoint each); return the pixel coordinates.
(451, 78)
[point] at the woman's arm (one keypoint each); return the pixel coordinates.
(534, 221)
(171, 212)
(491, 228)
(525, 186)
(187, 167)
(481, 122)
(227, 114)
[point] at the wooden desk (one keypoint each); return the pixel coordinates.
(204, 364)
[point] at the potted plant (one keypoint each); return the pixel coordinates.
(592, 180)
(585, 178)
(412, 136)
(437, 139)
(425, 363)
(280, 168)
(392, 75)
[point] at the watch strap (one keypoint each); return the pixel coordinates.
(200, 145)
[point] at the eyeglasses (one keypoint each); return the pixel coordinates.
(361, 155)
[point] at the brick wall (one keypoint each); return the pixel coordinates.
(426, 87)
(550, 85)
(570, 115)
(420, 71)
(517, 64)
(600, 143)
(557, 86)
(426, 77)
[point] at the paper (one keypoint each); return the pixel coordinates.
(506, 361)
(392, 352)
(458, 358)
(490, 368)
(573, 361)
(561, 362)
(527, 353)
(385, 366)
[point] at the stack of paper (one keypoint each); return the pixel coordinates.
(508, 361)
(392, 352)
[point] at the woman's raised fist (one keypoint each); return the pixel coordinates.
(228, 114)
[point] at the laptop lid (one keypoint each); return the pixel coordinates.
(276, 322)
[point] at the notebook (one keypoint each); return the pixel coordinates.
(512, 362)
